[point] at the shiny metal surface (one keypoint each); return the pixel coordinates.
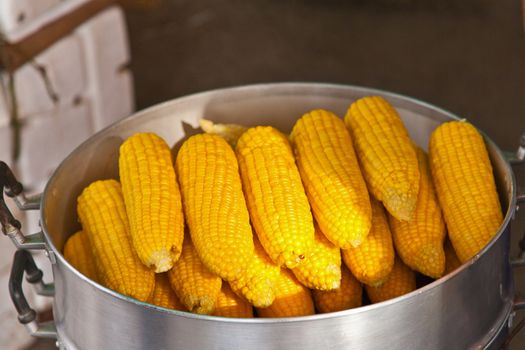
(520, 198)
(28, 203)
(468, 308)
(34, 241)
(518, 157)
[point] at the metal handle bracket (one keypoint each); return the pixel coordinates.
(520, 195)
(28, 203)
(519, 156)
(519, 303)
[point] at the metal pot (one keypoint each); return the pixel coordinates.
(469, 308)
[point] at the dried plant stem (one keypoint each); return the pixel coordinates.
(15, 123)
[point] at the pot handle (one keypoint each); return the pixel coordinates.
(517, 158)
(23, 262)
(11, 226)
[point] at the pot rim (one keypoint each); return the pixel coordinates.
(292, 86)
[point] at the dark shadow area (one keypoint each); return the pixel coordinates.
(465, 56)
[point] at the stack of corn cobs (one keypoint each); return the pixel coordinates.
(290, 225)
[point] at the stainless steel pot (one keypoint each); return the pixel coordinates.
(469, 308)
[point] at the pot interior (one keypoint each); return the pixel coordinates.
(279, 105)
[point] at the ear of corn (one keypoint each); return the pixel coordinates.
(230, 304)
(373, 260)
(164, 295)
(275, 195)
(465, 187)
(322, 269)
(257, 284)
(291, 298)
(451, 259)
(386, 154)
(103, 216)
(230, 132)
(78, 253)
(419, 242)
(349, 295)
(214, 205)
(153, 200)
(333, 181)
(196, 287)
(401, 281)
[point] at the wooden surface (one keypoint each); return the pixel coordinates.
(16, 54)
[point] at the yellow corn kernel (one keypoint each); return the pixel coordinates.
(196, 287)
(257, 284)
(419, 242)
(322, 269)
(332, 178)
(214, 205)
(386, 154)
(451, 259)
(347, 296)
(78, 253)
(153, 200)
(103, 216)
(465, 187)
(373, 260)
(164, 295)
(230, 132)
(291, 298)
(401, 281)
(275, 195)
(230, 304)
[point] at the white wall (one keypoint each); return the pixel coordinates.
(87, 71)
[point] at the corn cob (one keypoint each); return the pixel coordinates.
(419, 242)
(78, 253)
(465, 187)
(214, 205)
(275, 195)
(196, 287)
(103, 216)
(230, 132)
(347, 296)
(256, 285)
(373, 260)
(230, 304)
(322, 269)
(153, 200)
(386, 154)
(332, 178)
(164, 295)
(451, 259)
(291, 298)
(401, 281)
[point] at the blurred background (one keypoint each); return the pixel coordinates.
(467, 56)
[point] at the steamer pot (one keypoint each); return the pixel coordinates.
(469, 308)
